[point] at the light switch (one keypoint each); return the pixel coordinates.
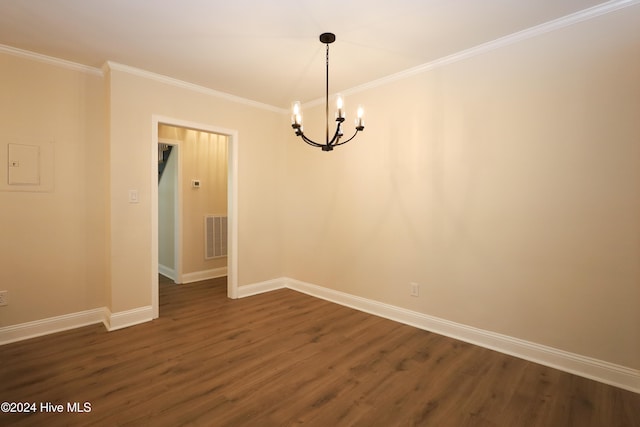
(133, 196)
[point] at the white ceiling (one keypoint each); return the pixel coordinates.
(268, 51)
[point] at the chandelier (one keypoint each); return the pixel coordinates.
(296, 119)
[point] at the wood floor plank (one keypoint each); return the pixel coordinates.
(285, 358)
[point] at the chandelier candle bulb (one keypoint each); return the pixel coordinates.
(340, 106)
(359, 121)
(296, 118)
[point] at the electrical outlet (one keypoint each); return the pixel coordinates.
(414, 289)
(3, 297)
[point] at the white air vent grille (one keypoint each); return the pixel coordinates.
(215, 236)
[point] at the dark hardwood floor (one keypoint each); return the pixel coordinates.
(285, 358)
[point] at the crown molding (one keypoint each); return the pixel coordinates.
(110, 65)
(572, 19)
(547, 27)
(50, 60)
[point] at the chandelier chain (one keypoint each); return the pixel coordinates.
(326, 96)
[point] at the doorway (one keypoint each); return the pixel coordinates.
(231, 205)
(170, 209)
(192, 204)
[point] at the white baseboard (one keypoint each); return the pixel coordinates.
(598, 370)
(23, 331)
(204, 275)
(167, 272)
(51, 325)
(124, 319)
(259, 288)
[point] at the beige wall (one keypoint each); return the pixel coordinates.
(204, 157)
(83, 245)
(134, 101)
(507, 185)
(52, 244)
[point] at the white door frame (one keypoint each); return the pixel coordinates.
(232, 203)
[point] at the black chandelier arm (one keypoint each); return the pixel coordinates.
(335, 141)
(336, 136)
(309, 141)
(354, 135)
(298, 131)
